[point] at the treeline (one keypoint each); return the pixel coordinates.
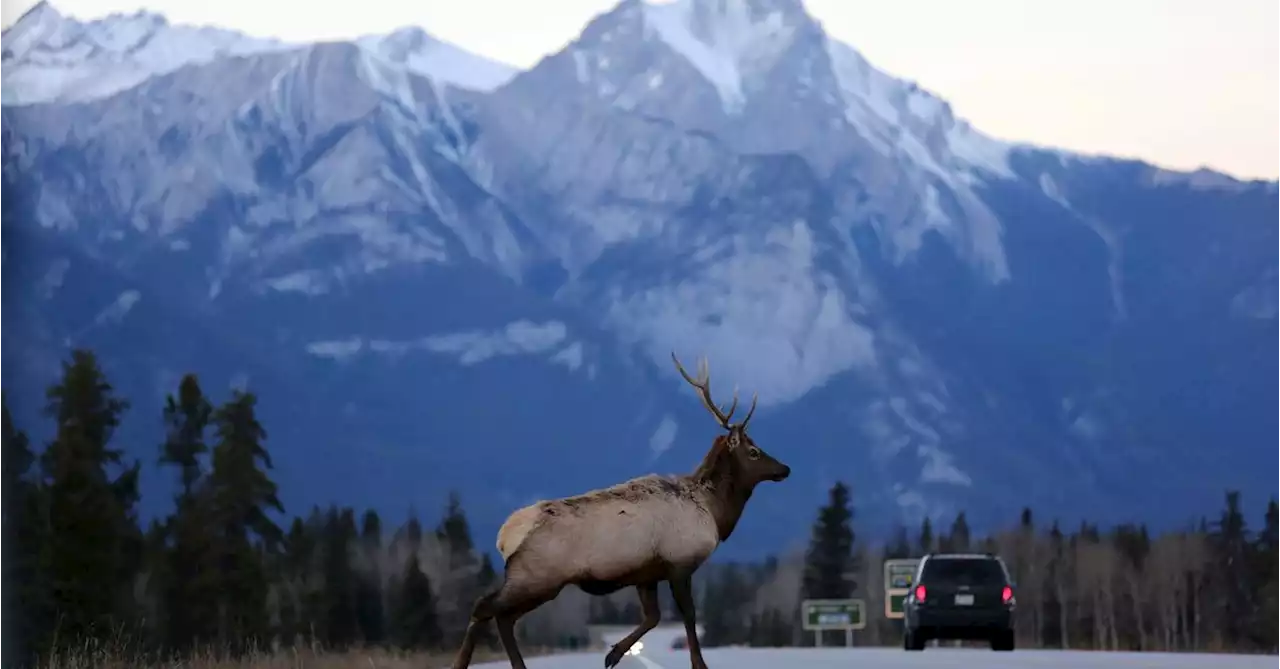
(1208, 587)
(225, 571)
(218, 574)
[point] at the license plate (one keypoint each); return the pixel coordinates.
(964, 600)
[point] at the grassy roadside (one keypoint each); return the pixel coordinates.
(92, 658)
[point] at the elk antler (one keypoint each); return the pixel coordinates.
(703, 386)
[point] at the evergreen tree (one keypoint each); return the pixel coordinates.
(486, 581)
(455, 532)
(926, 536)
(829, 562)
(771, 629)
(725, 600)
(959, 539)
(242, 495)
(1267, 622)
(297, 600)
(455, 597)
(341, 621)
(899, 546)
(187, 574)
(414, 618)
(411, 533)
(1230, 542)
(186, 418)
(369, 607)
(26, 587)
(94, 543)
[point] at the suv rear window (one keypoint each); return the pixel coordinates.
(963, 572)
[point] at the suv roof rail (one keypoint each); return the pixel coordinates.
(969, 554)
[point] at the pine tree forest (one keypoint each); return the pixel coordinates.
(229, 570)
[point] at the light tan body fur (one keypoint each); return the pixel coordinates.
(615, 534)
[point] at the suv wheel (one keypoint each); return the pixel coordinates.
(1003, 641)
(912, 641)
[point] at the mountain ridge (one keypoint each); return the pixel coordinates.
(1206, 174)
(941, 336)
(54, 58)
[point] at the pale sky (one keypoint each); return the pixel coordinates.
(1181, 83)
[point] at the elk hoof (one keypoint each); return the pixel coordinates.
(614, 657)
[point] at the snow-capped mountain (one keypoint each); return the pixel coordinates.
(49, 57)
(440, 273)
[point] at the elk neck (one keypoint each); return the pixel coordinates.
(720, 475)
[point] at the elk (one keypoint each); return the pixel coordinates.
(633, 534)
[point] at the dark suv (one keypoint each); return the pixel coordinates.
(960, 596)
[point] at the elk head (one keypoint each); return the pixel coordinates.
(749, 463)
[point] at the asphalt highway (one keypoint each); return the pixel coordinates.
(892, 658)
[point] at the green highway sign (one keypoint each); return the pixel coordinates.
(898, 574)
(833, 614)
(894, 602)
(898, 577)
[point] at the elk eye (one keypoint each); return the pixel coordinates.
(753, 453)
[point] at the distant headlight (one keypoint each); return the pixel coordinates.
(635, 650)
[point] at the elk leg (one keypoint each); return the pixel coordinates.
(481, 613)
(652, 615)
(508, 602)
(682, 592)
(507, 634)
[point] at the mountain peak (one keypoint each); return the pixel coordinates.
(41, 10)
(425, 55)
(756, 9)
(42, 21)
(727, 40)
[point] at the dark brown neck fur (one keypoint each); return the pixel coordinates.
(729, 490)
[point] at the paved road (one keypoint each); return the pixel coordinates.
(889, 658)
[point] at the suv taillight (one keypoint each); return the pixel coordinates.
(919, 593)
(1006, 595)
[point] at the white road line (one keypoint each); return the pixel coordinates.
(648, 664)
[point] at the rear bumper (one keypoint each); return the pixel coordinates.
(960, 623)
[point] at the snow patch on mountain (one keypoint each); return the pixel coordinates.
(118, 309)
(766, 317)
(305, 282)
(53, 277)
(49, 57)
(1260, 301)
(664, 436)
(336, 349)
(470, 347)
(724, 44)
(424, 55)
(518, 338)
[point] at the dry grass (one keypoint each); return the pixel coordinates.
(301, 658)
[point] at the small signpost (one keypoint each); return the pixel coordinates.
(821, 615)
(898, 577)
